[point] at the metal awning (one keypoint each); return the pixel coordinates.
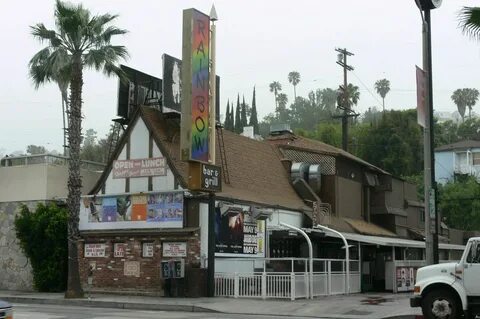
(395, 242)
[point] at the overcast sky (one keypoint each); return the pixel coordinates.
(258, 41)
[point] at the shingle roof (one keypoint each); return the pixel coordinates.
(255, 171)
(291, 141)
(458, 146)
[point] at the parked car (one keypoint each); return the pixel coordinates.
(6, 310)
(452, 289)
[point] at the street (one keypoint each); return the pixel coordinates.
(61, 312)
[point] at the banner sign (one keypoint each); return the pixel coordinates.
(174, 249)
(95, 250)
(155, 210)
(143, 167)
(238, 233)
(421, 96)
(195, 86)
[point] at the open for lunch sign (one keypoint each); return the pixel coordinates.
(142, 167)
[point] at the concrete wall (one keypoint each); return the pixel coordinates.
(39, 182)
(15, 268)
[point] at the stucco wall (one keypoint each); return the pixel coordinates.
(15, 269)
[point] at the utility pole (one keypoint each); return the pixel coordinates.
(342, 61)
(431, 213)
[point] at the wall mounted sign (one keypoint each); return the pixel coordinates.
(176, 249)
(131, 268)
(147, 250)
(204, 177)
(119, 250)
(143, 167)
(95, 250)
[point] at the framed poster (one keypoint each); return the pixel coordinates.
(119, 250)
(147, 250)
(95, 250)
(176, 249)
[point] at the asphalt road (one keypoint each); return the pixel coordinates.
(24, 311)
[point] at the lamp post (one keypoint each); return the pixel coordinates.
(431, 242)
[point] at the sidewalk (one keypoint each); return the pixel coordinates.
(369, 306)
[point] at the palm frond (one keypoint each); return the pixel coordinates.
(40, 32)
(107, 34)
(469, 21)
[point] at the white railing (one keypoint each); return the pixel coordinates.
(329, 278)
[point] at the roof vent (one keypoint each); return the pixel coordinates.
(315, 178)
(299, 170)
(278, 129)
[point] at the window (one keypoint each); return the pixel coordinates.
(476, 158)
(474, 259)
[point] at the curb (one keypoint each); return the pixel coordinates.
(107, 304)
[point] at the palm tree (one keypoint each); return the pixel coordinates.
(275, 87)
(470, 21)
(459, 97)
(294, 78)
(382, 87)
(282, 100)
(328, 97)
(352, 96)
(472, 98)
(80, 40)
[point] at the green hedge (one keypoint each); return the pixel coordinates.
(43, 239)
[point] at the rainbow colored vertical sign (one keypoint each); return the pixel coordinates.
(200, 86)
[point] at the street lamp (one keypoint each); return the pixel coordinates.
(431, 243)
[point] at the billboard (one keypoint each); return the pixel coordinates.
(195, 86)
(140, 89)
(238, 234)
(172, 82)
(172, 86)
(144, 167)
(152, 210)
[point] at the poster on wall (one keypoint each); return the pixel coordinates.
(238, 233)
(154, 210)
(405, 277)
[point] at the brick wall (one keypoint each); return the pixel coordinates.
(109, 270)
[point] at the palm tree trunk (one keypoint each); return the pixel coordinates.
(383, 104)
(74, 288)
(294, 94)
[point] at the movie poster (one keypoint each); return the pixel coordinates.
(405, 278)
(238, 233)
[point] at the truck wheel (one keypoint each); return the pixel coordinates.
(440, 304)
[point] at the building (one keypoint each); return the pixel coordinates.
(134, 224)
(461, 158)
(29, 180)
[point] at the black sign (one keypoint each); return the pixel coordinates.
(172, 86)
(172, 82)
(140, 89)
(211, 178)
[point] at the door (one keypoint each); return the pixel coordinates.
(471, 272)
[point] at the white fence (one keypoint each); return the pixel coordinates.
(329, 278)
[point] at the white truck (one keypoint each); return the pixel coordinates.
(450, 290)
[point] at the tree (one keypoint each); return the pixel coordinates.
(36, 150)
(470, 21)
(226, 124)
(328, 98)
(253, 115)
(460, 98)
(43, 238)
(275, 87)
(294, 78)
(472, 98)
(382, 87)
(282, 112)
(238, 120)
(80, 40)
(243, 113)
(351, 94)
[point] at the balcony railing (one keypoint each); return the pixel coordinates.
(47, 159)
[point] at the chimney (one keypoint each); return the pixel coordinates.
(287, 164)
(248, 132)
